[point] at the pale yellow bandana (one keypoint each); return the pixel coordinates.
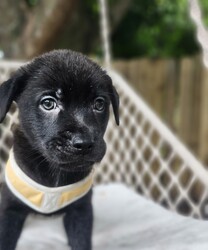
(41, 198)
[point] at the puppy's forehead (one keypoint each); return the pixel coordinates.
(68, 72)
(65, 83)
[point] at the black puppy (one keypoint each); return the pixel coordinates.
(63, 100)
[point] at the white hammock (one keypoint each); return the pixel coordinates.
(142, 152)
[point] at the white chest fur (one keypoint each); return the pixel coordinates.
(41, 233)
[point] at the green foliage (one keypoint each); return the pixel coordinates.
(156, 28)
(92, 6)
(32, 3)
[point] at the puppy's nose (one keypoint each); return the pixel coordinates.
(82, 143)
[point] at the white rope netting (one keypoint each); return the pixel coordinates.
(142, 153)
(202, 33)
(105, 33)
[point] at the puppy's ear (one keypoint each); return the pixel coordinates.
(115, 103)
(9, 91)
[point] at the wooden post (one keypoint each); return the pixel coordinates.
(122, 67)
(203, 137)
(147, 77)
(189, 102)
(170, 93)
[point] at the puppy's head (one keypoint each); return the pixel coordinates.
(63, 100)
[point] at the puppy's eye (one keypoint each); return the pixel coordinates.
(48, 103)
(99, 104)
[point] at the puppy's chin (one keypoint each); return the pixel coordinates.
(69, 161)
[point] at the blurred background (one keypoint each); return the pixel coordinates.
(153, 43)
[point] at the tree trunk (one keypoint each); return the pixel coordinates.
(45, 24)
(53, 24)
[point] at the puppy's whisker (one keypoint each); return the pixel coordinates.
(31, 157)
(41, 162)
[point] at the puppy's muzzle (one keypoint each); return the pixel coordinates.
(76, 142)
(77, 148)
